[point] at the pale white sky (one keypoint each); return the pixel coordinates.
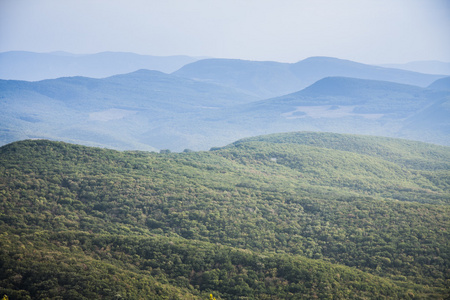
(368, 31)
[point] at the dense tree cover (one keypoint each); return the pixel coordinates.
(273, 217)
(70, 265)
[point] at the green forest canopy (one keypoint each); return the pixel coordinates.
(272, 217)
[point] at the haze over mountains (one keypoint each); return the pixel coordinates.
(212, 102)
(270, 79)
(122, 111)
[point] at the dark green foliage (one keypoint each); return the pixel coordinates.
(274, 217)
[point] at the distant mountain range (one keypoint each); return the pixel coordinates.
(264, 79)
(31, 66)
(213, 102)
(271, 79)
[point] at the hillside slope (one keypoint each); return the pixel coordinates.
(272, 217)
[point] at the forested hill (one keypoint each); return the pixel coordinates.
(287, 216)
(408, 153)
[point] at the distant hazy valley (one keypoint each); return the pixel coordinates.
(206, 103)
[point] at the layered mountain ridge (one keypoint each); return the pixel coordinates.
(269, 79)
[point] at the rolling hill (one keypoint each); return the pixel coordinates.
(31, 66)
(287, 216)
(271, 79)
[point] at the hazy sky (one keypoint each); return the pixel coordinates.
(369, 31)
